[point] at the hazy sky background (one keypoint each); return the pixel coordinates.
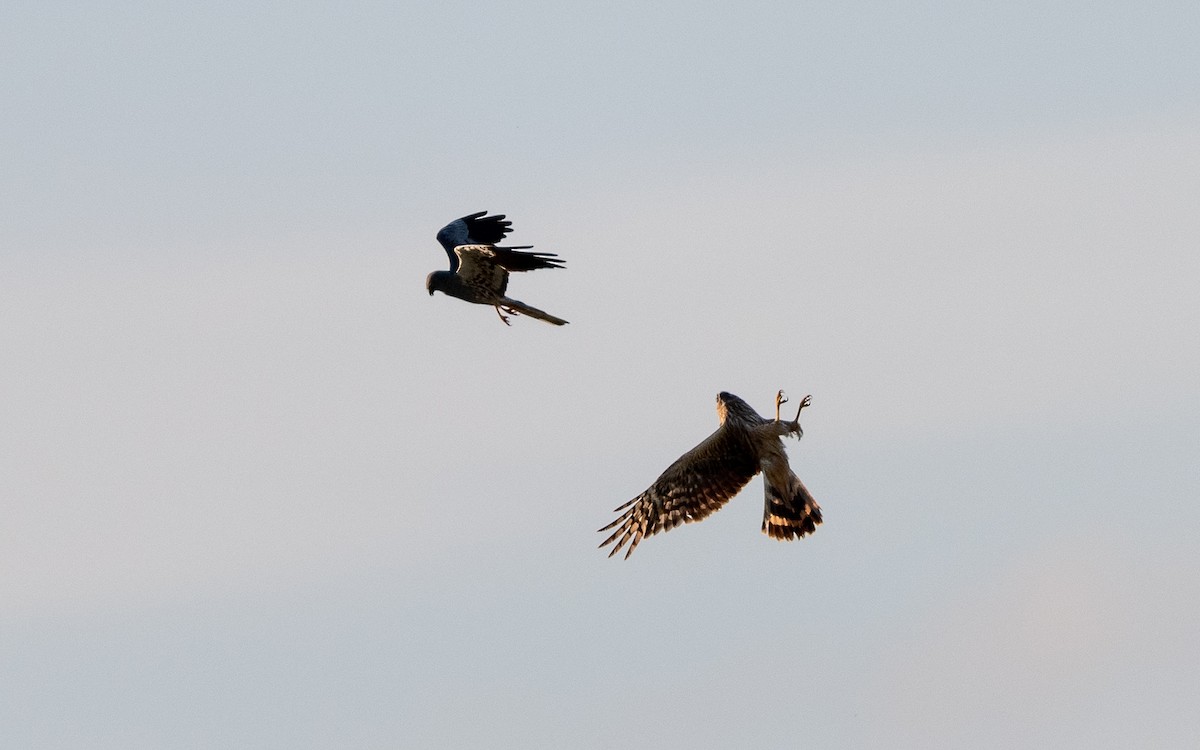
(259, 490)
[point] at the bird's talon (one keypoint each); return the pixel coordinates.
(806, 401)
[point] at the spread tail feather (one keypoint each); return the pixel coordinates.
(533, 312)
(790, 510)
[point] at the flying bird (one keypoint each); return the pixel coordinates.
(479, 268)
(706, 477)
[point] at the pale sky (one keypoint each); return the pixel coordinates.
(259, 490)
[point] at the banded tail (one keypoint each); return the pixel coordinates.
(790, 509)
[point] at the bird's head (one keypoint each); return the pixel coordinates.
(730, 406)
(435, 283)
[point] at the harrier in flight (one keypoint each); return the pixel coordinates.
(707, 476)
(479, 268)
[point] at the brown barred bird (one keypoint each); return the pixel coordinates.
(479, 268)
(706, 477)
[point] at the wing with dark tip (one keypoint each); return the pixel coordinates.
(512, 259)
(698, 484)
(475, 229)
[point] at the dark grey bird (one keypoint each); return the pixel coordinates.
(479, 267)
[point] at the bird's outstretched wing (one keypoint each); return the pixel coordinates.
(488, 265)
(512, 259)
(479, 270)
(476, 229)
(695, 486)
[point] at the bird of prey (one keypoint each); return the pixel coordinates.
(706, 477)
(479, 268)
